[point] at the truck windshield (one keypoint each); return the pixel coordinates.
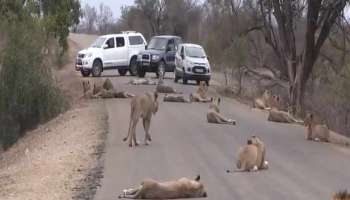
(195, 52)
(158, 43)
(98, 42)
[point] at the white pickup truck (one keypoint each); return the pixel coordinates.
(114, 51)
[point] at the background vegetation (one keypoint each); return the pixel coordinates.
(28, 32)
(297, 48)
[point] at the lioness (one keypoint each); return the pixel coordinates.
(142, 106)
(281, 116)
(108, 85)
(341, 195)
(264, 101)
(142, 81)
(252, 156)
(87, 90)
(175, 98)
(181, 188)
(214, 116)
(315, 131)
(201, 94)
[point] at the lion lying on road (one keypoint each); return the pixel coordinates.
(341, 195)
(181, 188)
(142, 106)
(214, 116)
(201, 94)
(252, 156)
(314, 131)
(105, 90)
(175, 98)
(162, 88)
(282, 117)
(142, 81)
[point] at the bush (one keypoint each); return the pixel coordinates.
(27, 93)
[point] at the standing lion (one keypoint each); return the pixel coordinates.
(142, 106)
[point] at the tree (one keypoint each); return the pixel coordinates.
(104, 19)
(279, 19)
(90, 18)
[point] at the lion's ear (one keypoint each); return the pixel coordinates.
(198, 178)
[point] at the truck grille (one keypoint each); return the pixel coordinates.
(199, 70)
(81, 55)
(145, 57)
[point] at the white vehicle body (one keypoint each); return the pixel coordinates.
(191, 63)
(114, 51)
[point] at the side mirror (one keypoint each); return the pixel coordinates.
(182, 56)
(105, 46)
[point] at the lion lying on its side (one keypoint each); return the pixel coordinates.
(106, 90)
(276, 115)
(176, 98)
(181, 188)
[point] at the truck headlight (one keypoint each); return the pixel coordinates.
(155, 57)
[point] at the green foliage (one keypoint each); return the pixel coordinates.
(27, 93)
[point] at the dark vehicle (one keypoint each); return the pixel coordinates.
(159, 57)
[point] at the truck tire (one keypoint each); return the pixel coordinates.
(85, 73)
(161, 69)
(96, 68)
(141, 72)
(133, 66)
(122, 72)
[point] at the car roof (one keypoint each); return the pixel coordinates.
(191, 45)
(122, 34)
(167, 36)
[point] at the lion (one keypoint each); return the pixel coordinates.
(214, 116)
(87, 90)
(261, 162)
(108, 85)
(201, 94)
(142, 106)
(142, 81)
(178, 189)
(341, 195)
(175, 98)
(252, 156)
(264, 101)
(315, 131)
(276, 115)
(162, 88)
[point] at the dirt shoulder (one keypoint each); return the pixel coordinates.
(59, 159)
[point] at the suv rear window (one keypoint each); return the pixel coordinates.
(120, 41)
(135, 40)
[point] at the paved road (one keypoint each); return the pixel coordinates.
(184, 144)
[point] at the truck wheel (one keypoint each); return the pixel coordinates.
(85, 73)
(161, 69)
(96, 68)
(122, 72)
(141, 72)
(133, 67)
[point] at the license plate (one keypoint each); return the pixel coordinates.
(200, 70)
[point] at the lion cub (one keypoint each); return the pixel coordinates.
(178, 189)
(201, 94)
(341, 195)
(214, 116)
(315, 131)
(142, 106)
(252, 156)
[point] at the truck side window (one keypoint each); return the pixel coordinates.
(110, 43)
(120, 41)
(171, 45)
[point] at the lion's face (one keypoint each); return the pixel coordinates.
(198, 188)
(308, 119)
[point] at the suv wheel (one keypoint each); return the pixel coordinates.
(141, 72)
(96, 68)
(85, 73)
(133, 67)
(122, 72)
(161, 69)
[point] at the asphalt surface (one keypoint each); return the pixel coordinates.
(185, 145)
